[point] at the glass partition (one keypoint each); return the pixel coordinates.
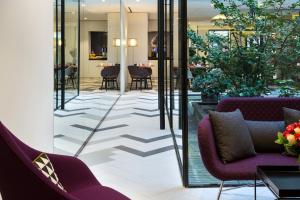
(71, 26)
(173, 75)
(228, 52)
(57, 47)
(66, 51)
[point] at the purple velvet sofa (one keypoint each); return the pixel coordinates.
(20, 179)
(256, 109)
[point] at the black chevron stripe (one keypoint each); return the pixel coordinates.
(146, 153)
(145, 115)
(71, 115)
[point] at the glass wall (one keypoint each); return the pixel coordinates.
(66, 51)
(71, 27)
(57, 52)
(224, 52)
(173, 75)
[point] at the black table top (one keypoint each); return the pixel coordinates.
(283, 181)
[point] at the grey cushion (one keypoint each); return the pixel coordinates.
(264, 134)
(291, 116)
(232, 136)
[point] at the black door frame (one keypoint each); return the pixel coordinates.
(184, 83)
(161, 59)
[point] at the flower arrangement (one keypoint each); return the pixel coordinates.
(290, 139)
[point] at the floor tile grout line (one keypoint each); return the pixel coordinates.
(96, 128)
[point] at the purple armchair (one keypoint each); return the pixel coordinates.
(256, 109)
(20, 179)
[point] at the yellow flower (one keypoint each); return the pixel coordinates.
(291, 138)
(297, 130)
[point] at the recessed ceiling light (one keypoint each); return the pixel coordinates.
(138, 0)
(85, 18)
(103, 0)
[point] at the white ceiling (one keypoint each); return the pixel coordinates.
(97, 9)
(198, 10)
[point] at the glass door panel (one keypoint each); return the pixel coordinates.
(71, 29)
(57, 47)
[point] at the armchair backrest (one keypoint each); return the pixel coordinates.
(111, 71)
(259, 108)
(19, 178)
(138, 72)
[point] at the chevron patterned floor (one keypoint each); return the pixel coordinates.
(118, 137)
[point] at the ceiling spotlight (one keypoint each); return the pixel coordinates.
(138, 0)
(103, 0)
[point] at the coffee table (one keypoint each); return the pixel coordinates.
(283, 181)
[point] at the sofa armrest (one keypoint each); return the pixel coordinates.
(72, 172)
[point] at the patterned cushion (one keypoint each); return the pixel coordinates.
(43, 163)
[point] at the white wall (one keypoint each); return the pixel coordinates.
(71, 36)
(26, 70)
(138, 29)
(90, 68)
(113, 29)
(123, 47)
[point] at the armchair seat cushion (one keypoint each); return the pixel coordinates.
(247, 167)
(98, 192)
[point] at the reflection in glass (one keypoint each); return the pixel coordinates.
(229, 58)
(71, 49)
(57, 45)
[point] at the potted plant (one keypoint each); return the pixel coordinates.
(260, 45)
(210, 84)
(286, 88)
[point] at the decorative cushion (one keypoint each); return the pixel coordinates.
(43, 163)
(232, 136)
(291, 116)
(264, 134)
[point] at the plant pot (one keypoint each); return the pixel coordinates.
(209, 98)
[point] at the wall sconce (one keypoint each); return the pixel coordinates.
(59, 43)
(117, 42)
(132, 42)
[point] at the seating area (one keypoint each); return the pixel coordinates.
(25, 181)
(149, 100)
(141, 77)
(255, 110)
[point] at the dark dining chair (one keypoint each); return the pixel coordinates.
(20, 179)
(71, 76)
(110, 75)
(149, 77)
(140, 75)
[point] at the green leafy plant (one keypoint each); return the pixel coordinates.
(264, 41)
(211, 83)
(286, 88)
